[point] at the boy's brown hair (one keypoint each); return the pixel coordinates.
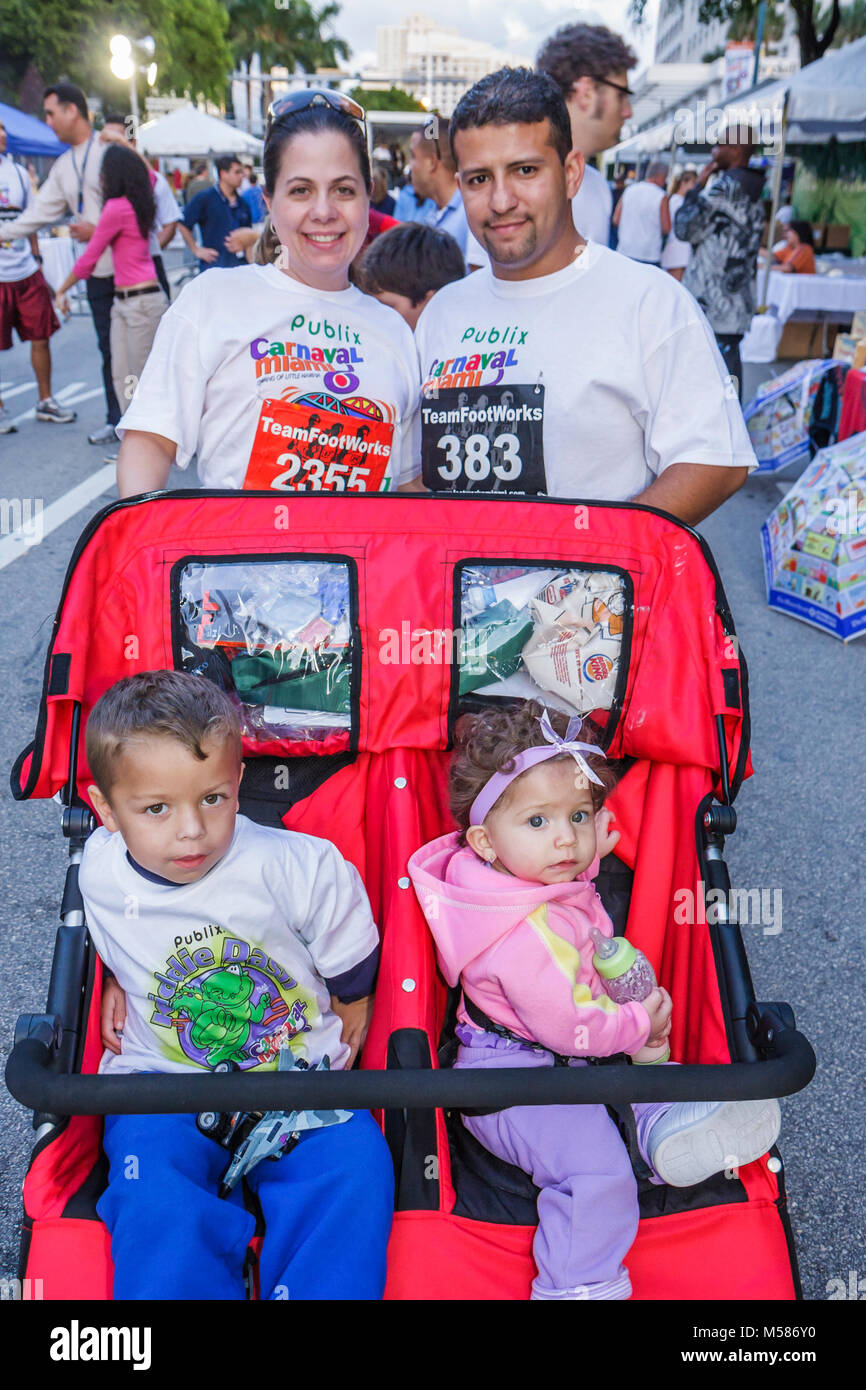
(488, 743)
(156, 704)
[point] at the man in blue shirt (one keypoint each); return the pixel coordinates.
(434, 176)
(219, 212)
(255, 198)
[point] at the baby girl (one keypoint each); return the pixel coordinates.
(511, 903)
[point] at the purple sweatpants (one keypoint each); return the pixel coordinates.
(587, 1207)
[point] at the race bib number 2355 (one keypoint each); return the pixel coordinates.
(307, 448)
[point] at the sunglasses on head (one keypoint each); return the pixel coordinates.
(308, 97)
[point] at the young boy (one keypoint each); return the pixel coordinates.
(405, 266)
(227, 939)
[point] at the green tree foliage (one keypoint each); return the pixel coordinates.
(395, 99)
(69, 38)
(285, 33)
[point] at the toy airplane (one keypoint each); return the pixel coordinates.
(255, 1135)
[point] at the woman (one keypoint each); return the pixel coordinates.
(125, 224)
(677, 254)
(797, 256)
(284, 375)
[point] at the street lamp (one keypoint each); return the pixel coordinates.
(126, 69)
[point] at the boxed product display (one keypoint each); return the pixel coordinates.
(815, 543)
(793, 413)
(552, 635)
(276, 636)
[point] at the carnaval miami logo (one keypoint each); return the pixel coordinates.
(230, 1004)
(468, 368)
(276, 358)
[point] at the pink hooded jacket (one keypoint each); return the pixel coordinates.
(523, 951)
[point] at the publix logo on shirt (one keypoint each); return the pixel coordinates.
(334, 364)
(469, 367)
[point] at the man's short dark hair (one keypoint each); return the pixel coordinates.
(583, 50)
(411, 260)
(225, 162)
(114, 118)
(67, 93)
(515, 96)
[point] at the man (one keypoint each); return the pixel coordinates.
(219, 212)
(590, 65)
(724, 227)
(199, 182)
(603, 371)
(26, 302)
(433, 174)
(255, 198)
(643, 216)
(72, 186)
(168, 214)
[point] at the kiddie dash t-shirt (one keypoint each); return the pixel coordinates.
(587, 383)
(228, 968)
(235, 338)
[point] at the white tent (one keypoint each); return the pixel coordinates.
(826, 98)
(193, 133)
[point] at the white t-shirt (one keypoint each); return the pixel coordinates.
(16, 259)
(676, 253)
(640, 228)
(234, 338)
(167, 211)
(601, 375)
(592, 205)
(226, 968)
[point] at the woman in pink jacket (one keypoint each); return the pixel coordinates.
(125, 223)
(511, 903)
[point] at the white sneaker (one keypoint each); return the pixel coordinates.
(6, 425)
(55, 413)
(696, 1139)
(106, 434)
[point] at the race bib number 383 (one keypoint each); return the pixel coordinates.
(484, 439)
(307, 448)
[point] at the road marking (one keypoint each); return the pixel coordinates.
(16, 390)
(20, 543)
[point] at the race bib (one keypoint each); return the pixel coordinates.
(484, 439)
(307, 448)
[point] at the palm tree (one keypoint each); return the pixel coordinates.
(292, 37)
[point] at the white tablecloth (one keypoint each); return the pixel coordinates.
(813, 294)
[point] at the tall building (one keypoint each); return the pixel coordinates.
(435, 64)
(681, 38)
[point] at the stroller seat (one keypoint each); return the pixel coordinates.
(165, 581)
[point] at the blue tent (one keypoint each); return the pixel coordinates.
(27, 136)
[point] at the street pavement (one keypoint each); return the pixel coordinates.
(800, 825)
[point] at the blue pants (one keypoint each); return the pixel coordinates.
(327, 1207)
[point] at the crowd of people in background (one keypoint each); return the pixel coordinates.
(692, 225)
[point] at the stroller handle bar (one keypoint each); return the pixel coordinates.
(32, 1082)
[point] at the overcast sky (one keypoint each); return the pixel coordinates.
(516, 26)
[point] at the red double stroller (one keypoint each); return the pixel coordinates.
(355, 749)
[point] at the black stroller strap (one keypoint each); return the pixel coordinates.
(481, 1020)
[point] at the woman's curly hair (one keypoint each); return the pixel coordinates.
(488, 743)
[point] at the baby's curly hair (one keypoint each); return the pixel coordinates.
(489, 742)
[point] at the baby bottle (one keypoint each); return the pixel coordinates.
(627, 975)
